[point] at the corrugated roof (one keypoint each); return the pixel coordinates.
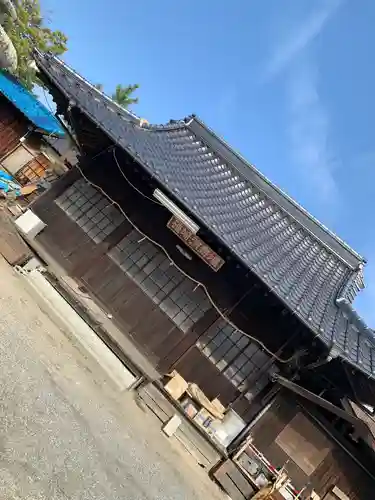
(29, 105)
(65, 148)
(301, 261)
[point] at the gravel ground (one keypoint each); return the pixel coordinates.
(64, 432)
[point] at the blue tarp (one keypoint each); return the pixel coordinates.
(7, 184)
(29, 105)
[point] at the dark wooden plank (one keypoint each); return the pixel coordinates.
(233, 482)
(43, 203)
(174, 350)
(246, 409)
(229, 486)
(273, 422)
(64, 240)
(133, 309)
(86, 255)
(242, 483)
(125, 293)
(12, 247)
(110, 290)
(164, 349)
(68, 240)
(155, 328)
(97, 275)
(195, 367)
(187, 432)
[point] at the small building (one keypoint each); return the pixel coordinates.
(218, 276)
(26, 130)
(26, 157)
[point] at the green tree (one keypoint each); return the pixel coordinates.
(122, 95)
(30, 31)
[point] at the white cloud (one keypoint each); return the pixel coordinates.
(226, 103)
(300, 38)
(309, 133)
(308, 124)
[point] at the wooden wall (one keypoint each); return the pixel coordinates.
(235, 290)
(12, 247)
(136, 314)
(336, 469)
(158, 337)
(13, 125)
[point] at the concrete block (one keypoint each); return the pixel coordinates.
(29, 224)
(64, 316)
(172, 425)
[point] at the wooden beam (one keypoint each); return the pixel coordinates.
(323, 403)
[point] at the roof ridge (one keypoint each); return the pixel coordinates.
(171, 125)
(89, 84)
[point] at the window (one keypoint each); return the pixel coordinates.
(92, 211)
(237, 357)
(146, 265)
(16, 160)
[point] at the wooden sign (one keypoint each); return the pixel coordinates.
(194, 242)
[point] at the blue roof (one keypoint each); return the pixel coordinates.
(29, 105)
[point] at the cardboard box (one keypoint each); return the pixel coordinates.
(176, 386)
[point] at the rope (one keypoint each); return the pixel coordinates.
(132, 185)
(198, 283)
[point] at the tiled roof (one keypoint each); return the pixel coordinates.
(29, 105)
(306, 266)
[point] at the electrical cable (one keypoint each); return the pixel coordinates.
(227, 320)
(188, 276)
(132, 185)
(47, 102)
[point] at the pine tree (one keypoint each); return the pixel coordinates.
(123, 95)
(29, 31)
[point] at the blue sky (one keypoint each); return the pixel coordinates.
(290, 84)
